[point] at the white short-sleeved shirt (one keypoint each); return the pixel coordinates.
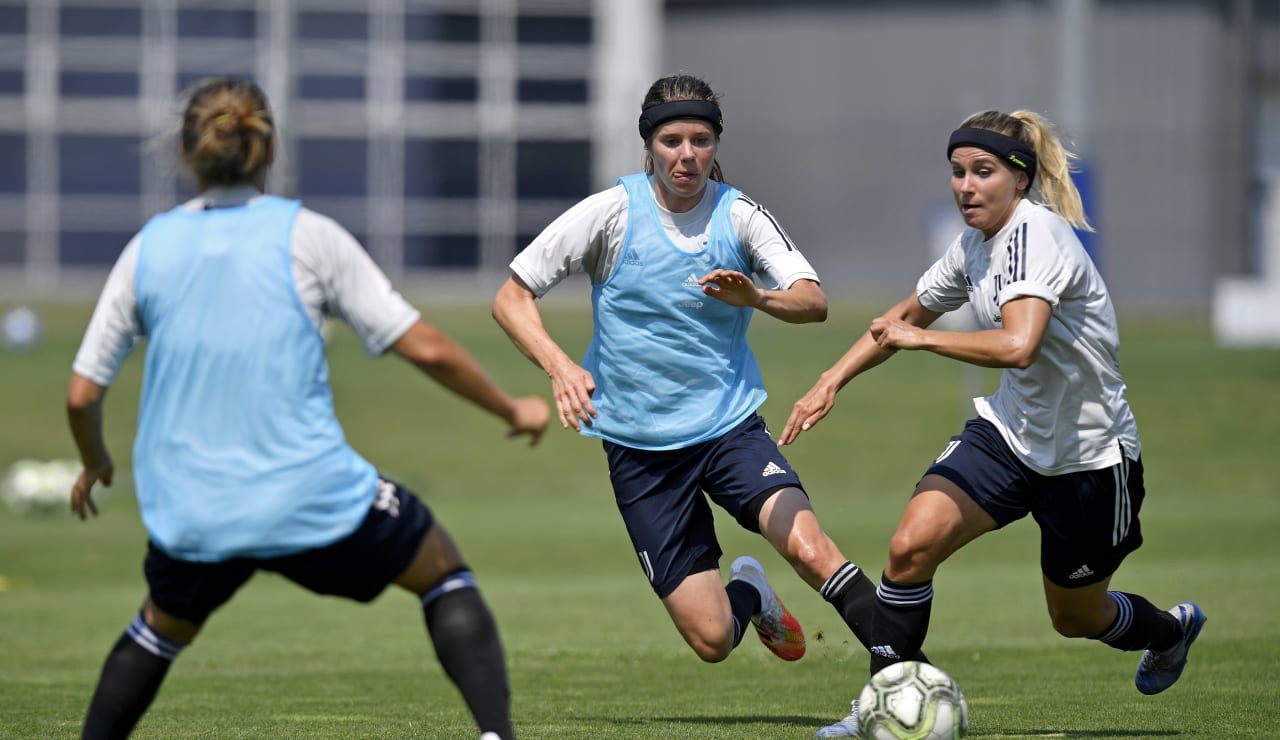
(332, 273)
(589, 236)
(1067, 412)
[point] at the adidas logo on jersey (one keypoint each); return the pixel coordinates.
(690, 282)
(1081, 572)
(772, 469)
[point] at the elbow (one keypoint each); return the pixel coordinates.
(819, 313)
(1021, 355)
(83, 396)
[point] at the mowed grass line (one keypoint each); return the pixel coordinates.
(591, 652)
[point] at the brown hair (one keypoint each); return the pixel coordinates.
(1053, 177)
(680, 87)
(227, 132)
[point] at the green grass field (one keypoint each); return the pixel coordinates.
(590, 650)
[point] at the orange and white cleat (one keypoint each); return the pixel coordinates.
(777, 628)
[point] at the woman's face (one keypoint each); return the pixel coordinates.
(985, 189)
(683, 151)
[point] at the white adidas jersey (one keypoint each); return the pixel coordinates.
(588, 238)
(1067, 412)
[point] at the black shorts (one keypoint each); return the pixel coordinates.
(1088, 520)
(659, 493)
(359, 566)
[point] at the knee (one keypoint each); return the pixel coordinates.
(811, 558)
(911, 557)
(710, 651)
(712, 643)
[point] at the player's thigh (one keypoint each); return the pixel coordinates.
(940, 519)
(1089, 522)
(361, 565)
(437, 556)
(182, 593)
(669, 521)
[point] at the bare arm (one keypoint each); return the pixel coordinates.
(84, 413)
(865, 354)
(445, 361)
(516, 311)
(1016, 343)
(801, 303)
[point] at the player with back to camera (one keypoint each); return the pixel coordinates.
(239, 462)
(1057, 440)
(669, 384)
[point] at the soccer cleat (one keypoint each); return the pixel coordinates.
(778, 630)
(847, 727)
(1158, 670)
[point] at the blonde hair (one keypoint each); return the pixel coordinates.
(673, 88)
(227, 132)
(1053, 179)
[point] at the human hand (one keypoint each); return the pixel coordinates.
(82, 489)
(732, 287)
(571, 387)
(806, 412)
(896, 334)
(529, 415)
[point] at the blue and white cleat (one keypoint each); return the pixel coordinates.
(847, 727)
(1159, 670)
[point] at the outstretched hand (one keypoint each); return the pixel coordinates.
(806, 412)
(732, 287)
(82, 489)
(529, 416)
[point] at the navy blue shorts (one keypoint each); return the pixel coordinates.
(659, 493)
(1088, 520)
(359, 566)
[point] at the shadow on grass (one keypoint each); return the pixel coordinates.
(1098, 733)
(815, 722)
(772, 719)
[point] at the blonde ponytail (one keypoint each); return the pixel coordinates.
(1056, 187)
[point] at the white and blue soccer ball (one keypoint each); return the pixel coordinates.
(912, 701)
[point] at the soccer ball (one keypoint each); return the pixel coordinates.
(21, 329)
(39, 486)
(912, 701)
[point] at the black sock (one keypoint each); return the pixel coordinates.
(1140, 625)
(854, 597)
(744, 601)
(466, 640)
(130, 678)
(901, 621)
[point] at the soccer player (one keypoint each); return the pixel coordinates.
(669, 384)
(1057, 439)
(239, 462)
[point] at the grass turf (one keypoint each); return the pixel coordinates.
(590, 651)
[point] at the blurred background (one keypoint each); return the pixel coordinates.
(446, 133)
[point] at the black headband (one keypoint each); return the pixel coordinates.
(654, 116)
(1009, 149)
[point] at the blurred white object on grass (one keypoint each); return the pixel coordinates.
(22, 329)
(40, 485)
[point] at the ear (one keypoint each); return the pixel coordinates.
(1021, 182)
(271, 150)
